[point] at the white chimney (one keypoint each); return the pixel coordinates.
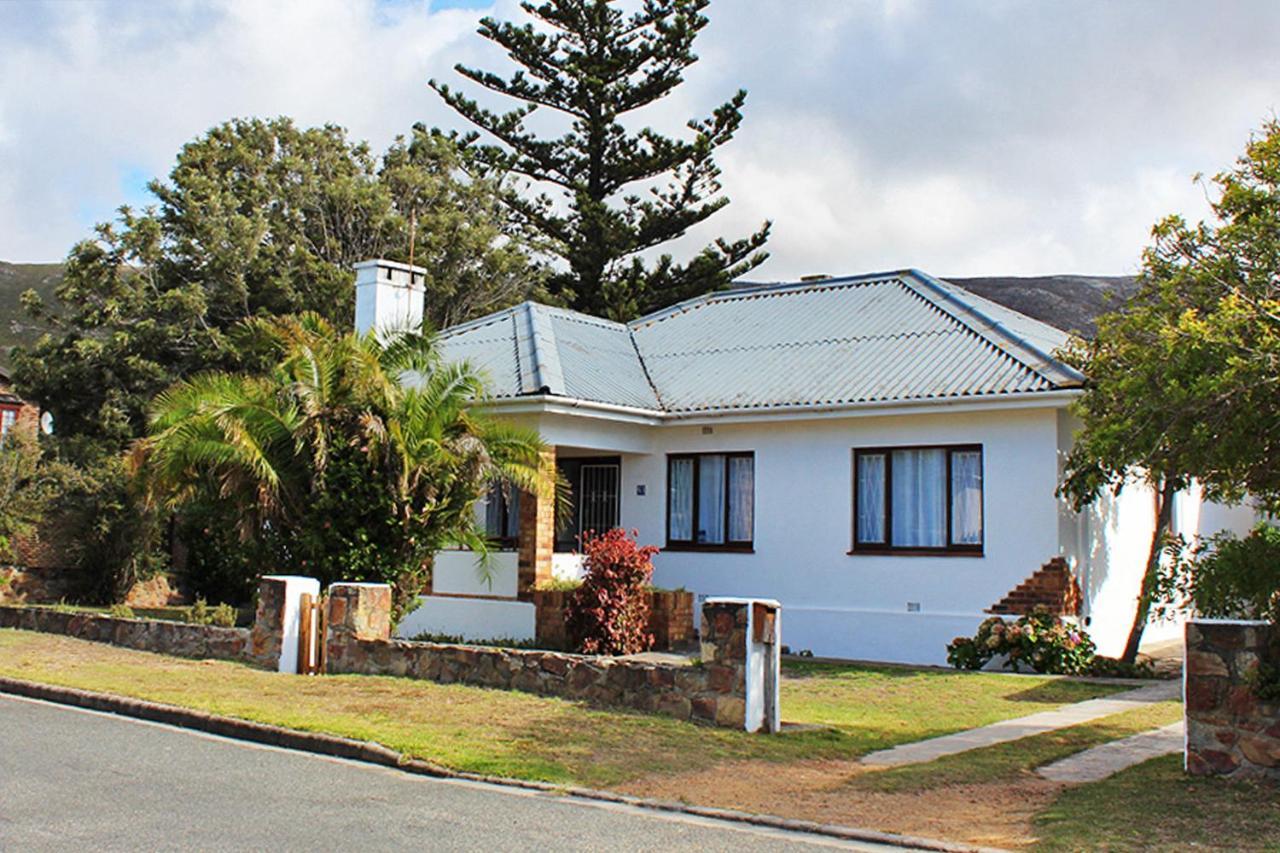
(389, 296)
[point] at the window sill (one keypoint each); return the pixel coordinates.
(711, 549)
(913, 552)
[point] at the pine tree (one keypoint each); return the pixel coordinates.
(593, 63)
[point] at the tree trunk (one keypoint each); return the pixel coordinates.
(1164, 518)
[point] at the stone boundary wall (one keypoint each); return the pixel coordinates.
(148, 635)
(712, 692)
(670, 618)
(1230, 731)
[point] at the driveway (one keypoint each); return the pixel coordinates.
(79, 780)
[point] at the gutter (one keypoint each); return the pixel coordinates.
(551, 404)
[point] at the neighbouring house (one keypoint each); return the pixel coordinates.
(879, 453)
(15, 410)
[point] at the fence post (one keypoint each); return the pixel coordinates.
(741, 637)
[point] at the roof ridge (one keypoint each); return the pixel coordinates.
(945, 300)
(763, 289)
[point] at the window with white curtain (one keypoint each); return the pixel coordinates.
(711, 500)
(918, 499)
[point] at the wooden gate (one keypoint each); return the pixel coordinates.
(311, 634)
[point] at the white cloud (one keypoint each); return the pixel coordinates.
(965, 138)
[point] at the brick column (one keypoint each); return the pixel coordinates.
(273, 641)
(741, 641)
(537, 532)
(355, 612)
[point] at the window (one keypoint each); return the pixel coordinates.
(918, 499)
(8, 417)
(711, 501)
(502, 515)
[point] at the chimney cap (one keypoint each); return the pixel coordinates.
(379, 263)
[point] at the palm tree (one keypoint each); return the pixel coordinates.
(351, 457)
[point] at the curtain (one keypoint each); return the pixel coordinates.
(493, 527)
(966, 497)
(680, 496)
(919, 498)
(741, 498)
(711, 499)
(871, 498)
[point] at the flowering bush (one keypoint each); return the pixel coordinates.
(609, 613)
(1039, 640)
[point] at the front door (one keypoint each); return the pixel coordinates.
(594, 489)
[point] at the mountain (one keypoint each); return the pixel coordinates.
(1068, 302)
(14, 280)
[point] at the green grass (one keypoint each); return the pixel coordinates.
(877, 707)
(1153, 806)
(519, 735)
(1007, 762)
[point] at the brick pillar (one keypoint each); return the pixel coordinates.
(537, 532)
(741, 641)
(354, 612)
(273, 641)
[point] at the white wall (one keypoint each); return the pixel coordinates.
(469, 618)
(466, 573)
(837, 604)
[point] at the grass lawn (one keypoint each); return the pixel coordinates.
(520, 735)
(1153, 806)
(1007, 762)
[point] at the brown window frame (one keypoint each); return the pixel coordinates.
(951, 549)
(692, 544)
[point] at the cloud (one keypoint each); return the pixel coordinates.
(965, 138)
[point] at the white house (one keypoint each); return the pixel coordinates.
(879, 453)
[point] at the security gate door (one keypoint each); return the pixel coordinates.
(598, 493)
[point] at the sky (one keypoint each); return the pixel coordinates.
(963, 138)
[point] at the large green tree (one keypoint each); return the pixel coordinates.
(259, 218)
(1184, 379)
(619, 191)
(327, 463)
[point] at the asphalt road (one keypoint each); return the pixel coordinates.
(79, 780)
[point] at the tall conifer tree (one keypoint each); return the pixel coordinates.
(622, 191)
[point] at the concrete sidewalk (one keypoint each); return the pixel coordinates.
(1094, 765)
(1020, 727)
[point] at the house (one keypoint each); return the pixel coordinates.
(13, 409)
(880, 453)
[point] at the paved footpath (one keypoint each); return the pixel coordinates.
(1020, 727)
(1094, 765)
(79, 780)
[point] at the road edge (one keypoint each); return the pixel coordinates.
(375, 753)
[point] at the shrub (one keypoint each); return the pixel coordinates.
(1227, 577)
(609, 613)
(121, 611)
(559, 584)
(1039, 640)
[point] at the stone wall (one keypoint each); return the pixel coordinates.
(149, 635)
(670, 618)
(1230, 731)
(711, 692)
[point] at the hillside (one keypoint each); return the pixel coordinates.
(1068, 302)
(14, 280)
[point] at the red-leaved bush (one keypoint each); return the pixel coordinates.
(609, 613)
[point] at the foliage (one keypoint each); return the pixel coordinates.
(110, 540)
(1225, 576)
(1182, 377)
(1107, 667)
(329, 464)
(258, 218)
(621, 191)
(29, 481)
(559, 584)
(609, 613)
(199, 613)
(1039, 640)
(457, 640)
(120, 610)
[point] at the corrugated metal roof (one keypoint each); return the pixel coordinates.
(901, 336)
